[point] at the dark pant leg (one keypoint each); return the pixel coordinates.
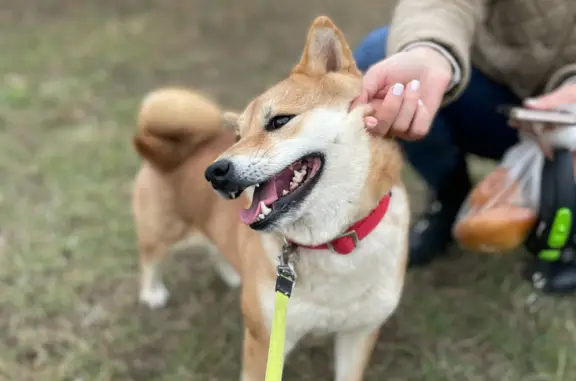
(468, 125)
(477, 127)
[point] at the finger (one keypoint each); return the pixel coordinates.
(538, 135)
(373, 80)
(365, 112)
(514, 123)
(561, 96)
(408, 109)
(387, 111)
(361, 99)
(535, 133)
(382, 92)
(370, 122)
(545, 147)
(420, 124)
(525, 130)
(432, 95)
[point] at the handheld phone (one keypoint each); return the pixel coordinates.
(538, 116)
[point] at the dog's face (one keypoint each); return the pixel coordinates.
(301, 149)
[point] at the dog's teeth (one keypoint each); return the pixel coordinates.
(261, 216)
(293, 185)
(265, 210)
(257, 185)
(298, 176)
(285, 192)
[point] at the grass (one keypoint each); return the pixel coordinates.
(71, 79)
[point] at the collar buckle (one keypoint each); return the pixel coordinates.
(349, 234)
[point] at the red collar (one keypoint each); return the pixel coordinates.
(346, 243)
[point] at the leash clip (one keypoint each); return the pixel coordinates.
(285, 274)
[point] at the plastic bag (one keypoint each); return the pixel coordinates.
(503, 208)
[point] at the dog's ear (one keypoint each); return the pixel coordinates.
(326, 51)
(230, 120)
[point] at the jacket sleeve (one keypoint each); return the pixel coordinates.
(449, 23)
(563, 76)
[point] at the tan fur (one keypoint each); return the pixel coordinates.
(166, 121)
(181, 133)
(168, 205)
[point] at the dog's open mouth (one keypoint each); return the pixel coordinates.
(276, 195)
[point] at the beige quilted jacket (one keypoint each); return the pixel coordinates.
(529, 45)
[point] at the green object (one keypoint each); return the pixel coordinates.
(549, 255)
(559, 234)
(560, 231)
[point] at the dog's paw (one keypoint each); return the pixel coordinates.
(155, 296)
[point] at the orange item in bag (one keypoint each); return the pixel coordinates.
(495, 230)
(496, 221)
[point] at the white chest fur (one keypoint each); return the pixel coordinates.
(337, 293)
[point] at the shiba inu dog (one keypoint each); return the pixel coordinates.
(303, 171)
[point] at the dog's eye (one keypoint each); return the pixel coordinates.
(278, 121)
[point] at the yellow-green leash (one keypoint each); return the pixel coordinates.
(285, 280)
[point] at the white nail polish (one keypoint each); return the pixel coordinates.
(398, 89)
(530, 101)
(414, 85)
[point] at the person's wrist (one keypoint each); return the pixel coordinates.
(443, 70)
(433, 56)
(446, 69)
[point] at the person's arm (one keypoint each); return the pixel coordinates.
(448, 24)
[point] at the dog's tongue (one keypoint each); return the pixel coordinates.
(267, 193)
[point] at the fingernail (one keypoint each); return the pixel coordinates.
(530, 101)
(414, 85)
(370, 121)
(420, 102)
(398, 89)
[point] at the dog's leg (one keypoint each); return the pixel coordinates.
(154, 244)
(225, 270)
(153, 293)
(352, 352)
(158, 227)
(255, 356)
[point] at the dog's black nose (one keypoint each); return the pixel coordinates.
(219, 173)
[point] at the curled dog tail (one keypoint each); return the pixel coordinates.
(171, 123)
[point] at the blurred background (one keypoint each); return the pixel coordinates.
(72, 74)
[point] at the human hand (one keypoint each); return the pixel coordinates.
(559, 98)
(405, 91)
(563, 98)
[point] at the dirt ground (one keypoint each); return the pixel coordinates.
(71, 79)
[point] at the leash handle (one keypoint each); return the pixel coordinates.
(285, 279)
(275, 364)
